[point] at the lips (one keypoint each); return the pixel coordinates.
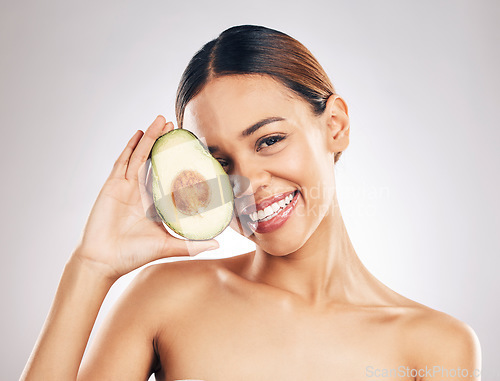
(264, 203)
(276, 222)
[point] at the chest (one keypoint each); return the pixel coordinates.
(258, 342)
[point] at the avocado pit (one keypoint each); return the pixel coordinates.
(190, 192)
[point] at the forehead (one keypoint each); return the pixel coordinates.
(230, 104)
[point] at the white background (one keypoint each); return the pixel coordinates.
(418, 186)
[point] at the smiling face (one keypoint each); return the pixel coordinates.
(275, 149)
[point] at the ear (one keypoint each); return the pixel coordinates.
(337, 121)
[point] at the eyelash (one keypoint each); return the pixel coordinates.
(277, 139)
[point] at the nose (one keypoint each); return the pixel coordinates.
(247, 178)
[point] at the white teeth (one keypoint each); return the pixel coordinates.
(271, 210)
(268, 210)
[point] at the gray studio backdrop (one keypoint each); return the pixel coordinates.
(418, 185)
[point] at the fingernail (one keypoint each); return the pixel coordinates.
(213, 246)
(165, 127)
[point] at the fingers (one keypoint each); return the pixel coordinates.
(144, 170)
(149, 180)
(146, 191)
(196, 247)
(143, 148)
(183, 247)
(121, 164)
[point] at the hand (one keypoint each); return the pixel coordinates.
(118, 236)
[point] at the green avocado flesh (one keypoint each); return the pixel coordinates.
(191, 191)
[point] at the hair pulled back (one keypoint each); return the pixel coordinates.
(253, 49)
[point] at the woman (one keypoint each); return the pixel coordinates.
(301, 306)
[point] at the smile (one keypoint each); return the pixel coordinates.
(273, 216)
(272, 210)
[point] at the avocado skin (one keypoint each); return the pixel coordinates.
(180, 150)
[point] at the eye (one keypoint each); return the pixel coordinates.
(224, 164)
(269, 141)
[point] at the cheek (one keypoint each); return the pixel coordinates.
(313, 171)
(303, 166)
(295, 164)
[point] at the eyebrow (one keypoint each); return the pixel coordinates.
(250, 130)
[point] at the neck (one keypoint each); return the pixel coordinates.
(325, 269)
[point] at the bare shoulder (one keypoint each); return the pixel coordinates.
(182, 281)
(438, 339)
(176, 278)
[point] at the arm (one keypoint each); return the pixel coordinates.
(118, 238)
(60, 347)
(124, 347)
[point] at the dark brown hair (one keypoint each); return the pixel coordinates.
(253, 49)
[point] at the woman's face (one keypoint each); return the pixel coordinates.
(289, 154)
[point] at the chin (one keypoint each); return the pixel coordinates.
(273, 245)
(281, 247)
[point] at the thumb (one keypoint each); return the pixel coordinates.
(183, 247)
(197, 247)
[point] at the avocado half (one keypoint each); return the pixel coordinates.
(191, 191)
